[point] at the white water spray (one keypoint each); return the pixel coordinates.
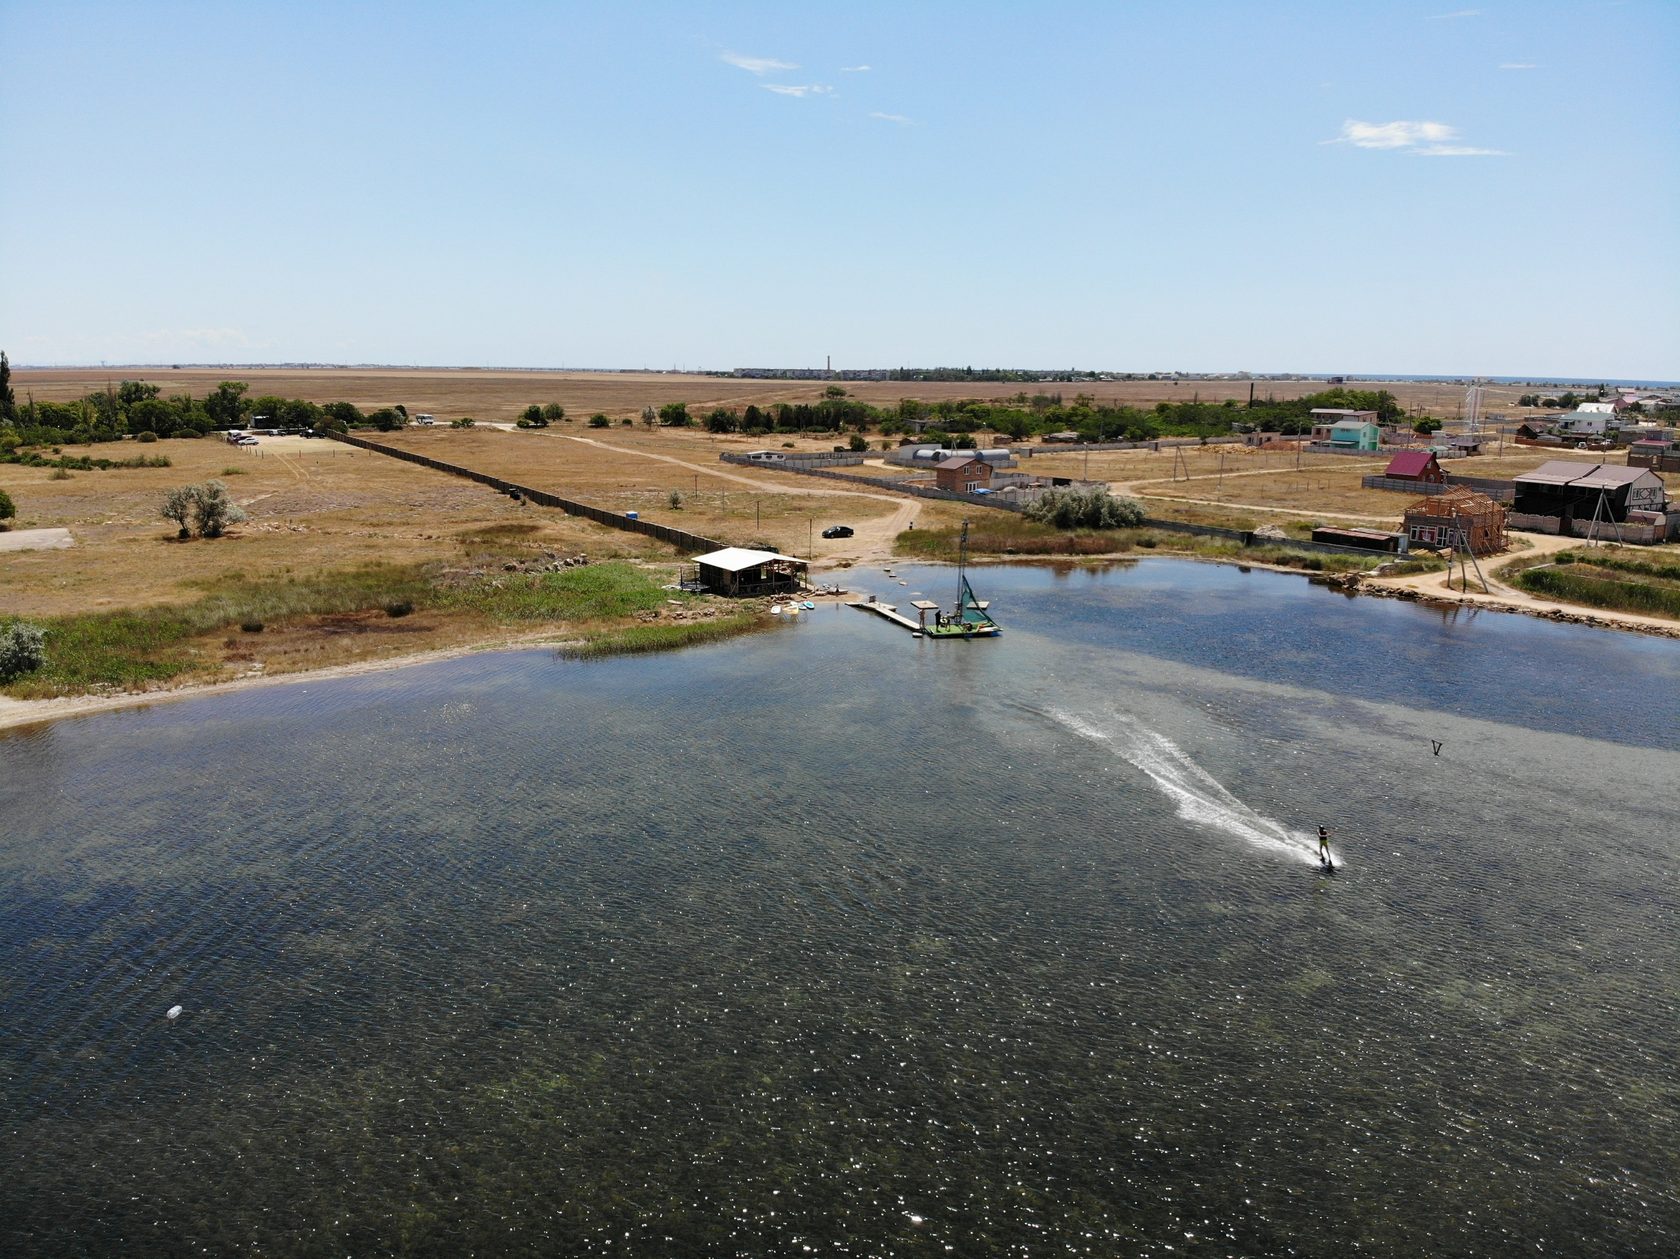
(1201, 798)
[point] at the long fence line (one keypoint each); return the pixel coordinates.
(1245, 537)
(681, 538)
(1495, 488)
(696, 544)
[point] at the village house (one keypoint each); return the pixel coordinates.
(1415, 465)
(1571, 491)
(1457, 518)
(1324, 419)
(1355, 435)
(963, 474)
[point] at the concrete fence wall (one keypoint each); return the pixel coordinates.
(1498, 490)
(679, 538)
(804, 459)
(1606, 531)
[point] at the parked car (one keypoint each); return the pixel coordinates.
(247, 440)
(838, 531)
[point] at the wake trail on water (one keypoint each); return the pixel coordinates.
(1201, 798)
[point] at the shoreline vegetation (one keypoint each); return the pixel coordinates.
(602, 614)
(302, 624)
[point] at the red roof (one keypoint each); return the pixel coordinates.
(1410, 463)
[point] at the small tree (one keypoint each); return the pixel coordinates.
(675, 501)
(23, 649)
(533, 415)
(213, 511)
(859, 442)
(178, 506)
(834, 391)
(599, 420)
(8, 510)
(650, 417)
(553, 412)
(675, 415)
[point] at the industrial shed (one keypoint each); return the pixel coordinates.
(738, 571)
(1455, 517)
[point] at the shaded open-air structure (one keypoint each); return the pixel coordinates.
(738, 571)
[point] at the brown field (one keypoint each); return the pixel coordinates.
(320, 506)
(502, 395)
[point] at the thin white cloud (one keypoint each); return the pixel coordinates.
(1518, 65)
(900, 119)
(1457, 13)
(798, 89)
(854, 69)
(1457, 150)
(756, 65)
(1422, 139)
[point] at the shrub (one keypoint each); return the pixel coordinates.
(522, 422)
(599, 420)
(251, 627)
(206, 507)
(147, 436)
(59, 474)
(466, 421)
(1085, 509)
(675, 501)
(401, 608)
(8, 509)
(23, 649)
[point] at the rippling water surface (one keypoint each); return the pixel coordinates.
(835, 942)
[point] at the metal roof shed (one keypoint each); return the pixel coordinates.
(738, 571)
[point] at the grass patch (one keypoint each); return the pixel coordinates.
(1015, 536)
(598, 592)
(140, 648)
(1603, 587)
(498, 533)
(636, 639)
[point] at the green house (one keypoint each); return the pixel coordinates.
(1355, 435)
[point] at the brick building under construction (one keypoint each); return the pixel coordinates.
(1440, 519)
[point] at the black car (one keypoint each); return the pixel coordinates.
(838, 531)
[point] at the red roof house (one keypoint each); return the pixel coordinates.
(1415, 465)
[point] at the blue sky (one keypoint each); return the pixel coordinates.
(1334, 187)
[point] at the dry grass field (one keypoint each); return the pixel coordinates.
(502, 395)
(318, 508)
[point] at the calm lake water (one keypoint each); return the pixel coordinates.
(835, 942)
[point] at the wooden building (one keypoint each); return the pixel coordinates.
(1442, 519)
(738, 571)
(963, 474)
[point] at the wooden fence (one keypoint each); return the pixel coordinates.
(680, 538)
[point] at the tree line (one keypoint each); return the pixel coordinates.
(1024, 417)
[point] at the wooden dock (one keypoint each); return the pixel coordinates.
(889, 611)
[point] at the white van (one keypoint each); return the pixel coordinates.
(425, 419)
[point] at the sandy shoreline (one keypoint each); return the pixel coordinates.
(15, 713)
(27, 712)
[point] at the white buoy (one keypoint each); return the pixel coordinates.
(174, 1013)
